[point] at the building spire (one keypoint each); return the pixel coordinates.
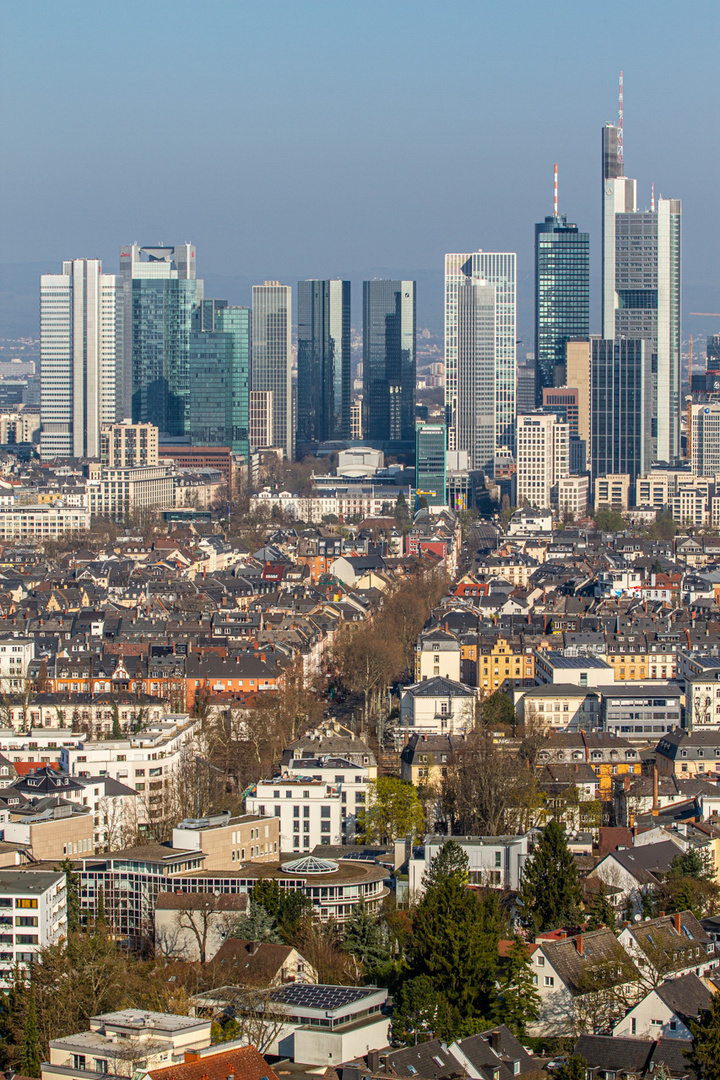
(652, 197)
(620, 120)
(555, 195)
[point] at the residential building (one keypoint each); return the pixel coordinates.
(559, 707)
(620, 439)
(33, 915)
(389, 361)
(437, 706)
(193, 926)
(494, 862)
(42, 522)
(671, 945)
(323, 398)
(498, 270)
(15, 656)
(542, 458)
(583, 671)
(612, 490)
(562, 296)
(430, 458)
(607, 755)
(160, 295)
(115, 493)
(666, 1010)
(128, 446)
(262, 964)
(683, 753)
(641, 292)
(272, 356)
(330, 739)
(572, 496)
(425, 761)
(81, 351)
(476, 373)
(437, 652)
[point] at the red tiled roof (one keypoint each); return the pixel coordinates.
(245, 1063)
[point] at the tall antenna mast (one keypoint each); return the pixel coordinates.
(652, 197)
(620, 121)
(555, 201)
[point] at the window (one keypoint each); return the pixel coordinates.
(540, 960)
(79, 1061)
(549, 980)
(26, 903)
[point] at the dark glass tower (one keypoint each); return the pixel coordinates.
(323, 390)
(389, 361)
(562, 296)
(219, 380)
(430, 463)
(622, 405)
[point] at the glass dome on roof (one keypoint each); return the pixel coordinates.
(310, 865)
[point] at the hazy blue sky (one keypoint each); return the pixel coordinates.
(311, 138)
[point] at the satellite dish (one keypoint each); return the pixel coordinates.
(638, 917)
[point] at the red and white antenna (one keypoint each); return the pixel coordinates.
(652, 198)
(620, 121)
(555, 204)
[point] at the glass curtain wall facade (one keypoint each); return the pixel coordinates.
(477, 373)
(430, 463)
(324, 377)
(621, 408)
(219, 382)
(562, 296)
(389, 361)
(271, 357)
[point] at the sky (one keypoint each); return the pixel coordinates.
(351, 138)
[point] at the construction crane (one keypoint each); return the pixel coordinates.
(707, 314)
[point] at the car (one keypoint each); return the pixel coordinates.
(557, 1062)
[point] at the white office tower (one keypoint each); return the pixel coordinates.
(476, 373)
(704, 439)
(271, 357)
(543, 458)
(499, 270)
(80, 358)
(641, 274)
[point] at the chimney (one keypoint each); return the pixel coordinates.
(192, 1055)
(655, 805)
(494, 1039)
(678, 922)
(661, 914)
(253, 947)
(579, 944)
(373, 1060)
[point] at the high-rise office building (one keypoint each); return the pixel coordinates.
(713, 352)
(704, 438)
(499, 270)
(564, 402)
(80, 358)
(430, 463)
(543, 458)
(641, 277)
(476, 373)
(128, 446)
(161, 294)
(389, 361)
(271, 357)
(324, 377)
(261, 419)
(525, 397)
(577, 368)
(562, 296)
(621, 408)
(219, 377)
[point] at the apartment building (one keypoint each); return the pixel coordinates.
(33, 915)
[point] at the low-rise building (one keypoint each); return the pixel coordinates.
(437, 653)
(641, 710)
(689, 753)
(42, 522)
(666, 1010)
(437, 706)
(193, 926)
(33, 915)
(554, 667)
(494, 862)
(558, 707)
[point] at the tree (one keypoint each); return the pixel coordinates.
(101, 918)
(664, 527)
(698, 895)
(295, 909)
(363, 939)
(602, 912)
(575, 1068)
(393, 810)
(72, 884)
(30, 1056)
(550, 893)
(267, 894)
(704, 1055)
(255, 925)
(420, 1012)
(498, 709)
(609, 520)
(451, 860)
(479, 790)
(691, 864)
(402, 513)
(518, 1001)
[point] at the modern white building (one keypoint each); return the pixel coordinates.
(499, 270)
(42, 521)
(495, 862)
(309, 803)
(15, 655)
(704, 439)
(543, 458)
(81, 345)
(33, 915)
(272, 355)
(476, 374)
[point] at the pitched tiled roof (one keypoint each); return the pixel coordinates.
(252, 968)
(686, 996)
(602, 954)
(245, 1063)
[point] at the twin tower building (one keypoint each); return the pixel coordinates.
(146, 344)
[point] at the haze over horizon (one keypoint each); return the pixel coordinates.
(319, 140)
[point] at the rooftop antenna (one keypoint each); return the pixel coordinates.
(652, 198)
(555, 204)
(620, 121)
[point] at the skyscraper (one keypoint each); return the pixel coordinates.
(543, 458)
(621, 408)
(389, 361)
(80, 358)
(219, 380)
(271, 357)
(641, 276)
(430, 463)
(160, 294)
(324, 377)
(477, 372)
(562, 296)
(497, 269)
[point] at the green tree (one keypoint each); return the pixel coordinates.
(72, 885)
(550, 893)
(295, 909)
(575, 1068)
(255, 925)
(601, 911)
(690, 864)
(363, 938)
(116, 729)
(451, 860)
(704, 1055)
(609, 520)
(420, 1012)
(518, 1002)
(402, 513)
(267, 894)
(664, 527)
(393, 810)
(30, 1053)
(498, 709)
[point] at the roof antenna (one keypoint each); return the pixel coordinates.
(620, 121)
(555, 204)
(652, 198)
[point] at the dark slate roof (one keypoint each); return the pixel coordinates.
(440, 687)
(646, 861)
(686, 996)
(598, 947)
(430, 1060)
(612, 1053)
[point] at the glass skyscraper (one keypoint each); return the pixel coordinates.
(323, 391)
(430, 463)
(562, 296)
(621, 407)
(271, 357)
(219, 379)
(161, 294)
(477, 373)
(389, 361)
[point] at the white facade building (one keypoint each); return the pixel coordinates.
(271, 357)
(80, 357)
(476, 374)
(543, 449)
(33, 915)
(15, 655)
(310, 810)
(499, 270)
(42, 521)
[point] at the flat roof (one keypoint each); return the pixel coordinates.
(28, 881)
(559, 660)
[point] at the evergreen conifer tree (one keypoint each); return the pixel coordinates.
(574, 1069)
(72, 884)
(550, 892)
(30, 1052)
(518, 1001)
(704, 1054)
(450, 860)
(101, 918)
